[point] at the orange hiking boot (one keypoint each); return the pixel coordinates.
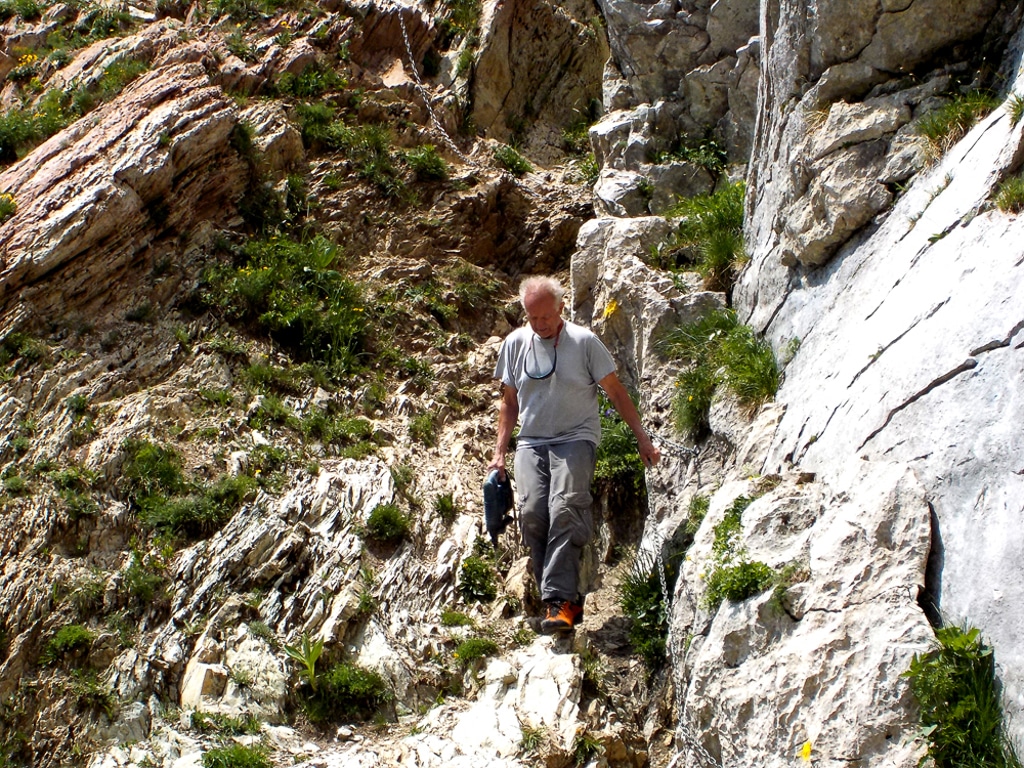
(562, 617)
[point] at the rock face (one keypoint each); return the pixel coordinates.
(909, 351)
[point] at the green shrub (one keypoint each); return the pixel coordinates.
(720, 352)
(731, 575)
(949, 123)
(387, 523)
(644, 602)
(216, 722)
(237, 756)
(307, 654)
(67, 640)
(150, 469)
(87, 691)
(16, 485)
(427, 164)
(509, 159)
(474, 648)
(961, 711)
(346, 692)
(291, 291)
(460, 17)
(1010, 195)
(712, 227)
(142, 582)
(476, 580)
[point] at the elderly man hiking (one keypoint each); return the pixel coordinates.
(550, 371)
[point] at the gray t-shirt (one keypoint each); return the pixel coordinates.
(562, 407)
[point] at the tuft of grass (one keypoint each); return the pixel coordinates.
(387, 523)
(346, 691)
(455, 619)
(618, 463)
(711, 227)
(513, 162)
(961, 710)
(945, 126)
(476, 580)
(532, 739)
(732, 576)
(644, 602)
(427, 164)
(720, 352)
(236, 756)
(1010, 195)
(423, 428)
(1015, 108)
(474, 648)
(314, 81)
(445, 508)
(68, 640)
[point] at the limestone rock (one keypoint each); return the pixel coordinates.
(861, 561)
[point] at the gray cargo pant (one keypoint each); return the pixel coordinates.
(555, 512)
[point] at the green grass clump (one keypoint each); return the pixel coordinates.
(732, 576)
(476, 580)
(459, 17)
(1015, 108)
(1010, 195)
(644, 602)
(455, 619)
(513, 162)
(387, 523)
(427, 164)
(445, 508)
(961, 710)
(423, 428)
(290, 291)
(314, 81)
(618, 462)
(26, 10)
(949, 123)
(236, 756)
(711, 227)
(474, 648)
(721, 352)
(348, 692)
(66, 641)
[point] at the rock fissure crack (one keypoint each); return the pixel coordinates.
(1000, 343)
(911, 327)
(949, 375)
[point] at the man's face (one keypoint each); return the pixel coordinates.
(543, 313)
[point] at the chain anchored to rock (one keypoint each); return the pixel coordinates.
(424, 93)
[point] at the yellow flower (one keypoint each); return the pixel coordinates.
(610, 308)
(690, 399)
(805, 752)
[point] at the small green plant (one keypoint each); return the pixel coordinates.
(643, 600)
(427, 164)
(513, 162)
(473, 648)
(732, 576)
(696, 512)
(584, 170)
(455, 619)
(8, 206)
(89, 692)
(142, 582)
(346, 691)
(532, 739)
(1015, 108)
(948, 124)
(476, 580)
(961, 711)
(460, 17)
(311, 83)
(68, 640)
(618, 463)
(387, 523)
(1010, 195)
(306, 653)
(585, 748)
(423, 428)
(711, 227)
(216, 722)
(445, 508)
(16, 485)
(236, 756)
(720, 352)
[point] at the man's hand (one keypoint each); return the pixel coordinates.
(498, 463)
(649, 453)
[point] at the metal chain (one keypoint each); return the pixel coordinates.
(425, 95)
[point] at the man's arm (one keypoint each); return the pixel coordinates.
(508, 415)
(620, 398)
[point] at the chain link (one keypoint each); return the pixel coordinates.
(425, 94)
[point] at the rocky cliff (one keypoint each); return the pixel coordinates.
(255, 261)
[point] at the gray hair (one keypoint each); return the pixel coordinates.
(541, 284)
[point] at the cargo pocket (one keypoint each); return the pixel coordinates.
(581, 518)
